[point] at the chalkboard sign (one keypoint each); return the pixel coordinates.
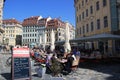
(21, 68)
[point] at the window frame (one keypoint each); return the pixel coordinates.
(105, 19)
(98, 23)
(92, 26)
(104, 3)
(97, 5)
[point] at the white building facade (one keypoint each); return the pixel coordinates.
(12, 28)
(72, 31)
(37, 31)
(1, 17)
(30, 35)
(42, 31)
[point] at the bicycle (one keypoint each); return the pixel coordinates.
(9, 61)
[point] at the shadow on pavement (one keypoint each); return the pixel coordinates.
(35, 75)
(111, 67)
(7, 76)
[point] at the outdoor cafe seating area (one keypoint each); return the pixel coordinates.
(96, 56)
(55, 62)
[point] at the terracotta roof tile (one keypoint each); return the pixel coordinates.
(10, 21)
(55, 23)
(42, 22)
(32, 21)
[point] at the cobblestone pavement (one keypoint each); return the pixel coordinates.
(86, 71)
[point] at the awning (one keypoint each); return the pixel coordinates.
(97, 37)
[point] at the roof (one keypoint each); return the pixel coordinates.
(10, 21)
(42, 22)
(55, 22)
(31, 21)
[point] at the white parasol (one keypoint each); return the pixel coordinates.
(67, 46)
(52, 46)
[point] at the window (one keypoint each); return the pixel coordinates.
(23, 35)
(91, 9)
(87, 28)
(82, 15)
(79, 17)
(76, 8)
(98, 23)
(104, 3)
(59, 39)
(59, 34)
(86, 12)
(105, 21)
(35, 35)
(82, 2)
(79, 6)
(83, 29)
(97, 5)
(80, 30)
(92, 26)
(32, 40)
(77, 31)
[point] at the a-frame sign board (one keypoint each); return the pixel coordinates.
(21, 69)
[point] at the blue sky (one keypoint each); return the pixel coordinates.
(21, 9)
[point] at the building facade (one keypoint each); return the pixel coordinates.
(12, 28)
(42, 31)
(72, 31)
(59, 28)
(30, 36)
(1, 15)
(37, 31)
(97, 17)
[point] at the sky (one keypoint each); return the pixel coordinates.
(21, 9)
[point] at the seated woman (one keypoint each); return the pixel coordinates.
(68, 65)
(61, 65)
(55, 65)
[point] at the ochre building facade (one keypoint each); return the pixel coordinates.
(97, 17)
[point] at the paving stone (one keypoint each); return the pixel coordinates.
(102, 72)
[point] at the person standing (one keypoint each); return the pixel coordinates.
(78, 53)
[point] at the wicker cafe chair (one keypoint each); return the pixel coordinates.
(75, 63)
